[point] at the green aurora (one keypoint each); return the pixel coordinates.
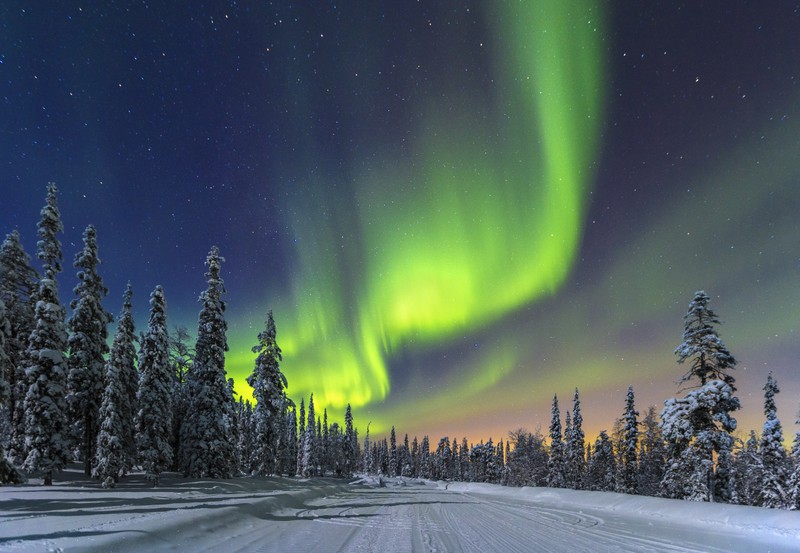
(494, 199)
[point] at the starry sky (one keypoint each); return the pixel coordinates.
(455, 209)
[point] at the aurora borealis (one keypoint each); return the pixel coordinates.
(455, 210)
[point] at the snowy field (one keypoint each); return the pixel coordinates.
(326, 515)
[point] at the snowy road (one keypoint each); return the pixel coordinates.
(279, 515)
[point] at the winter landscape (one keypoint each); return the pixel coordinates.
(399, 276)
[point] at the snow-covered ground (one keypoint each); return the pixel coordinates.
(326, 515)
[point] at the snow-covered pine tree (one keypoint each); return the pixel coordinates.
(602, 467)
(46, 432)
(310, 443)
(775, 476)
(335, 449)
(628, 469)
(318, 454)
(404, 458)
(289, 450)
(725, 478)
(306, 454)
(232, 416)
(710, 359)
(8, 474)
(116, 446)
(301, 437)
(154, 419)
(392, 470)
(651, 455)
(702, 420)
(246, 442)
(793, 493)
(443, 460)
(327, 459)
(425, 458)
(349, 449)
(269, 391)
(18, 284)
(111, 458)
(123, 357)
(181, 356)
(575, 443)
(88, 337)
(555, 465)
(749, 470)
(463, 459)
(208, 449)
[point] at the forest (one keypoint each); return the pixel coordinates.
(155, 403)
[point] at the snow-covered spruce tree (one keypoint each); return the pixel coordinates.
(110, 456)
(709, 358)
(301, 436)
(181, 356)
(88, 336)
(246, 442)
(335, 449)
(555, 465)
(628, 482)
(602, 466)
(575, 444)
(269, 390)
(651, 455)
(318, 450)
(349, 448)
(392, 453)
(774, 463)
(207, 443)
(405, 457)
(442, 465)
(8, 474)
(425, 457)
(123, 357)
(310, 443)
(46, 433)
(747, 465)
(305, 453)
(288, 452)
(702, 420)
(154, 419)
(527, 461)
(325, 444)
(793, 493)
(116, 447)
(18, 284)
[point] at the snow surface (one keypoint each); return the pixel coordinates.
(371, 515)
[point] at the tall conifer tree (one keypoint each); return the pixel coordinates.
(116, 446)
(18, 284)
(774, 463)
(207, 432)
(699, 426)
(88, 346)
(46, 434)
(555, 465)
(269, 390)
(628, 470)
(154, 420)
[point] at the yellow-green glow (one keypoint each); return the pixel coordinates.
(480, 217)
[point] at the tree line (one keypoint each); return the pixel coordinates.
(65, 395)
(687, 452)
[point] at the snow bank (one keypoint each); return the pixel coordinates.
(698, 514)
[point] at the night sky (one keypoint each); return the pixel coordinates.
(454, 209)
